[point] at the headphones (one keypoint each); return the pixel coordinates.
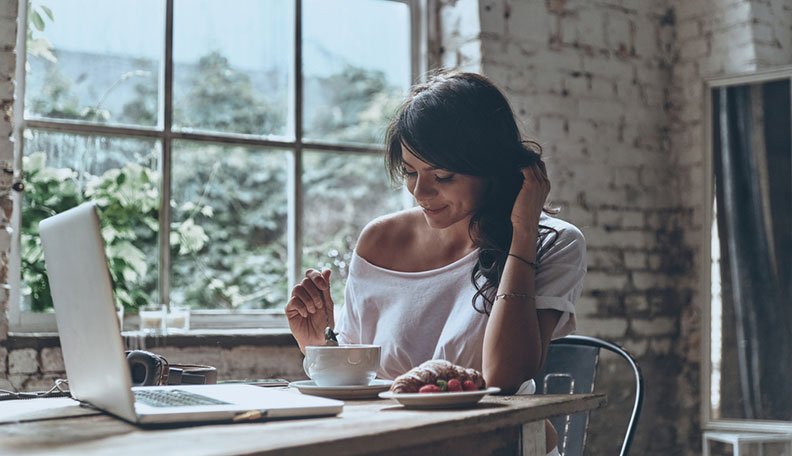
(147, 369)
(151, 369)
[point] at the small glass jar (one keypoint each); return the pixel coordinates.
(177, 320)
(152, 318)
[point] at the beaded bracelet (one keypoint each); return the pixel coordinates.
(514, 295)
(529, 263)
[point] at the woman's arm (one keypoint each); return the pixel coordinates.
(517, 335)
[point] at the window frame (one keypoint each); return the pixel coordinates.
(708, 423)
(27, 321)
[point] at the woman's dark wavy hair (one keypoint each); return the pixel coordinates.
(462, 123)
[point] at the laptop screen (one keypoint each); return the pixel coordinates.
(82, 295)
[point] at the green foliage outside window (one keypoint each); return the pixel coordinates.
(128, 201)
(245, 263)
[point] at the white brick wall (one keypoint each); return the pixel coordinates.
(8, 12)
(613, 91)
(7, 31)
(772, 31)
(52, 360)
(23, 361)
(714, 37)
(460, 36)
(27, 369)
(636, 347)
(242, 362)
(608, 328)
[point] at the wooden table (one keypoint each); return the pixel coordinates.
(498, 425)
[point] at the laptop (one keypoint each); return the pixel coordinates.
(93, 350)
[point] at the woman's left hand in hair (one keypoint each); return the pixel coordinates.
(531, 199)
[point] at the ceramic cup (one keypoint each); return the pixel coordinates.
(342, 365)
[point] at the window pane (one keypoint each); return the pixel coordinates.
(233, 66)
(94, 60)
(338, 202)
(64, 170)
(230, 212)
(351, 85)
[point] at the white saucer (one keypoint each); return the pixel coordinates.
(343, 392)
(439, 400)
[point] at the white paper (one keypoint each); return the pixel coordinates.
(12, 411)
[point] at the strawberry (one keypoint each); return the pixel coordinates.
(443, 385)
(468, 385)
(429, 389)
(454, 385)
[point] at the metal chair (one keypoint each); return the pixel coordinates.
(571, 367)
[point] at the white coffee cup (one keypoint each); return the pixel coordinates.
(342, 365)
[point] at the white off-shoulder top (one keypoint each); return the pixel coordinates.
(417, 316)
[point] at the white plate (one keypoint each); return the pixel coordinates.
(343, 392)
(439, 400)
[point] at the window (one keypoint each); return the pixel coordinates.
(228, 148)
(749, 282)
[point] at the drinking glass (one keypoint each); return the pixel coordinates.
(178, 319)
(152, 318)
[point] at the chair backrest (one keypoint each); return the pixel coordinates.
(571, 367)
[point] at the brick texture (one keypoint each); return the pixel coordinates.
(37, 368)
(613, 92)
(726, 37)
(52, 360)
(772, 29)
(8, 13)
(23, 361)
(592, 87)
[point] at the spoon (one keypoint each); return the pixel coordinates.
(330, 336)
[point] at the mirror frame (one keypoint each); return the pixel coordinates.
(707, 422)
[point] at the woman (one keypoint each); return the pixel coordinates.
(477, 273)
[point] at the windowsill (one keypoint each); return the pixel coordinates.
(219, 338)
(32, 323)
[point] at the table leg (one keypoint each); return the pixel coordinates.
(533, 439)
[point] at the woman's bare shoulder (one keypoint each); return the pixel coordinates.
(385, 236)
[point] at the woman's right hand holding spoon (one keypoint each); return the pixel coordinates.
(310, 309)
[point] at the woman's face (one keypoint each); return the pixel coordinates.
(447, 198)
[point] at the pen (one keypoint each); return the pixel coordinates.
(250, 415)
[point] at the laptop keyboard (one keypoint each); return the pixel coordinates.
(173, 398)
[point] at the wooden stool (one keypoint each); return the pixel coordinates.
(736, 439)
